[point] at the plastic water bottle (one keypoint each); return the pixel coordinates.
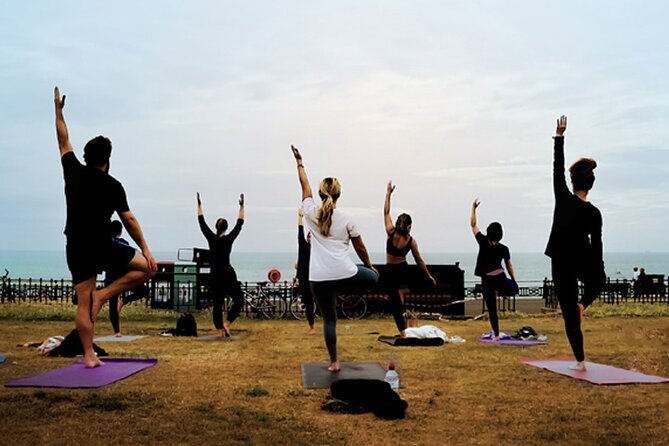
(392, 377)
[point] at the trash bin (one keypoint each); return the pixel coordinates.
(185, 286)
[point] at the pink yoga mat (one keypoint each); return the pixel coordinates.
(77, 376)
(596, 373)
(511, 342)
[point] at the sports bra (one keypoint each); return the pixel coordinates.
(397, 252)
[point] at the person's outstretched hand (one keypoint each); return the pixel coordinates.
(199, 202)
(476, 203)
(60, 103)
(241, 199)
(390, 188)
(561, 126)
(296, 154)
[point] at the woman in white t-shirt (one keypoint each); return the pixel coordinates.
(331, 269)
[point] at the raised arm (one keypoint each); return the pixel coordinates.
(240, 216)
(361, 250)
(560, 188)
(206, 231)
(472, 220)
(135, 230)
(420, 262)
(61, 128)
(386, 208)
(302, 174)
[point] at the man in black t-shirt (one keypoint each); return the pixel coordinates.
(91, 197)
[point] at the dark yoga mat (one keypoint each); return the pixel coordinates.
(512, 342)
(596, 373)
(76, 376)
(315, 375)
(397, 341)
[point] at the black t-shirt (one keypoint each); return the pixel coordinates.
(219, 247)
(490, 256)
(576, 234)
(91, 197)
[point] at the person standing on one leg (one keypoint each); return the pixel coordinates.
(116, 303)
(489, 267)
(223, 275)
(331, 270)
(398, 244)
(575, 242)
(303, 285)
(91, 197)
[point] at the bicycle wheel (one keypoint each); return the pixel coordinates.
(297, 308)
(273, 306)
(298, 311)
(353, 306)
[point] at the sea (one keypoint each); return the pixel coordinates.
(531, 268)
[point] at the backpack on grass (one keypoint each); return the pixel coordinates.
(186, 326)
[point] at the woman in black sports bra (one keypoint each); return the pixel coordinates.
(398, 245)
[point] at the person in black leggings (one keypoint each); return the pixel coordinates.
(575, 242)
(331, 270)
(398, 245)
(489, 267)
(117, 302)
(303, 286)
(223, 277)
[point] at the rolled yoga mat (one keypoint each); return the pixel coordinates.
(215, 338)
(77, 376)
(397, 341)
(596, 373)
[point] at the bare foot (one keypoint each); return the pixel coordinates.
(226, 329)
(403, 334)
(96, 305)
(118, 335)
(495, 339)
(579, 366)
(581, 308)
(93, 362)
(334, 367)
(312, 330)
(220, 333)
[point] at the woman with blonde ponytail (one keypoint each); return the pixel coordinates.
(331, 269)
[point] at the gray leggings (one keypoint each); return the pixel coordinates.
(326, 294)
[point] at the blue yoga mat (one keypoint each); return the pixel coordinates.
(2, 358)
(77, 376)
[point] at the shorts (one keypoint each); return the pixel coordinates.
(85, 260)
(397, 275)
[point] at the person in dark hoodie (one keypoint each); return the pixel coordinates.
(575, 242)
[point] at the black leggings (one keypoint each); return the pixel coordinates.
(136, 294)
(224, 281)
(396, 277)
(565, 282)
(307, 298)
(326, 294)
(490, 286)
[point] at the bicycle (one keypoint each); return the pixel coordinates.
(8, 291)
(350, 306)
(271, 304)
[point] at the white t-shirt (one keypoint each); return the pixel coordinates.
(330, 258)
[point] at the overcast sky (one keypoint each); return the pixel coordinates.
(451, 100)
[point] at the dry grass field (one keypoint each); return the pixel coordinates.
(249, 391)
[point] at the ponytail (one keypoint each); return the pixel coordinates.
(329, 191)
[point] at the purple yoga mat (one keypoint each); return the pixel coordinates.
(596, 373)
(77, 376)
(511, 342)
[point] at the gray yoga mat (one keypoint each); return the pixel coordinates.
(112, 338)
(315, 375)
(215, 338)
